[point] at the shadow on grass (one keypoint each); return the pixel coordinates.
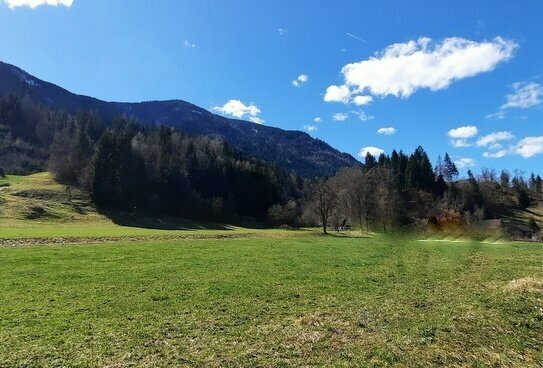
(148, 221)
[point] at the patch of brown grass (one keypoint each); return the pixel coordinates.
(529, 284)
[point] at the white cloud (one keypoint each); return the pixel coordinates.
(363, 116)
(498, 154)
(459, 136)
(189, 44)
(524, 95)
(386, 131)
(463, 132)
(362, 100)
(317, 119)
(310, 128)
(302, 78)
(529, 146)
(281, 31)
(340, 116)
(403, 68)
(239, 110)
(337, 94)
(460, 143)
(35, 3)
(374, 151)
(464, 162)
(494, 138)
(497, 115)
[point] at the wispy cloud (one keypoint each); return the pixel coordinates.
(318, 119)
(357, 38)
(493, 138)
(239, 110)
(386, 131)
(362, 115)
(35, 3)
(310, 128)
(497, 115)
(524, 95)
(340, 116)
(464, 162)
(189, 44)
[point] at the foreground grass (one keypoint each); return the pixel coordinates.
(311, 301)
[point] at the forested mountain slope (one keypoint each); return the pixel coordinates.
(292, 150)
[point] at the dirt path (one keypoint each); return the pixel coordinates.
(20, 242)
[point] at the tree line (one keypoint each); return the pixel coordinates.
(395, 191)
(126, 167)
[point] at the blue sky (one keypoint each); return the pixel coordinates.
(464, 77)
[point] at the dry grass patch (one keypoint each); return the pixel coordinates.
(529, 284)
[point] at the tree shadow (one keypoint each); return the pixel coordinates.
(149, 221)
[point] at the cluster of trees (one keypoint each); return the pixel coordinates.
(168, 172)
(124, 166)
(397, 190)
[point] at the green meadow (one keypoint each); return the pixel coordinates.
(120, 294)
(306, 301)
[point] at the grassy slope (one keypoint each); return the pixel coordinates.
(77, 217)
(315, 301)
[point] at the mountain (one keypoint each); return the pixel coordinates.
(292, 150)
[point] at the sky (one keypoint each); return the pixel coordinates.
(463, 77)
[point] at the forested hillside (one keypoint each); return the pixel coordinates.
(291, 150)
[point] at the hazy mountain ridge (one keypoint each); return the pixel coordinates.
(292, 150)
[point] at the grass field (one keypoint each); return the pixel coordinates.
(163, 293)
(314, 301)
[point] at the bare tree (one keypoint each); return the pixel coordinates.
(323, 202)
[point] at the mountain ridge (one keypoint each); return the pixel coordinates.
(290, 149)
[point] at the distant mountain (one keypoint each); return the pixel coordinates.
(292, 150)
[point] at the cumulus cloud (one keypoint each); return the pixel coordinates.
(459, 136)
(362, 100)
(386, 131)
(35, 3)
(529, 146)
(302, 78)
(337, 94)
(467, 131)
(374, 151)
(524, 95)
(464, 162)
(317, 119)
(239, 110)
(492, 139)
(403, 68)
(340, 116)
(310, 128)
